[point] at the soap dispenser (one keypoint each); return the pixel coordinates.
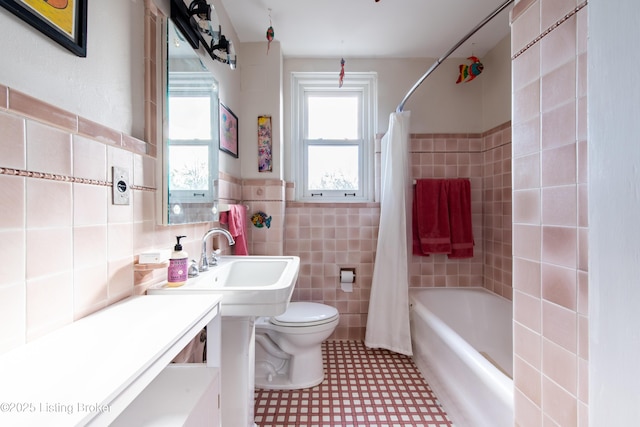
(178, 266)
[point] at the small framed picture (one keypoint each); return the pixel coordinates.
(264, 144)
(228, 131)
(64, 21)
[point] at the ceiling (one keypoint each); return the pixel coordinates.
(370, 29)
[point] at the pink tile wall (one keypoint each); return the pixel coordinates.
(258, 195)
(497, 210)
(66, 250)
(328, 237)
(450, 156)
(486, 160)
(550, 221)
(267, 196)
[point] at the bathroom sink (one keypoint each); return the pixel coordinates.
(249, 285)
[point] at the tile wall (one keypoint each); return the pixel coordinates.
(328, 237)
(55, 205)
(486, 160)
(450, 156)
(66, 250)
(550, 224)
(497, 210)
(258, 195)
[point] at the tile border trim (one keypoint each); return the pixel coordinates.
(17, 103)
(64, 178)
(550, 29)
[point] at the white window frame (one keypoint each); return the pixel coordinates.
(304, 84)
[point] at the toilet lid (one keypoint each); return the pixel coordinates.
(305, 314)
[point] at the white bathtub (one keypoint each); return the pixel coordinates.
(462, 344)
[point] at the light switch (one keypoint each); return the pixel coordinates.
(121, 190)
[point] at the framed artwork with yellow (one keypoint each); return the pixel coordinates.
(64, 21)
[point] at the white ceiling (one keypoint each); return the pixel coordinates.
(370, 29)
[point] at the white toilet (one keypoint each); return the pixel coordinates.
(289, 346)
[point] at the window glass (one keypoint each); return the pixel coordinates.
(333, 167)
(333, 117)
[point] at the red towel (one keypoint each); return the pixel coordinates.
(416, 249)
(237, 220)
(459, 196)
(431, 215)
(442, 218)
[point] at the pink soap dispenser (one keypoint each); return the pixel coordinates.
(178, 266)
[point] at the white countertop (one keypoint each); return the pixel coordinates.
(90, 370)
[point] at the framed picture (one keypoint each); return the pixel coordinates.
(64, 21)
(264, 144)
(228, 131)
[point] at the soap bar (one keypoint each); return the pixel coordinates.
(154, 257)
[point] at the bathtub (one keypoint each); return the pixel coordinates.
(462, 344)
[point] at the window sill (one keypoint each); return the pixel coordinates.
(331, 204)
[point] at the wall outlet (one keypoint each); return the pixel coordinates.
(120, 187)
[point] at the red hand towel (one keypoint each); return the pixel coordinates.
(237, 220)
(432, 216)
(459, 192)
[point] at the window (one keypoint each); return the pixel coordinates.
(332, 136)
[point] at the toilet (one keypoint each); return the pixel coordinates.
(289, 346)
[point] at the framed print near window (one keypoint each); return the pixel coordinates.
(264, 144)
(64, 21)
(228, 131)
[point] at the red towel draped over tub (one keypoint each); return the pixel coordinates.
(442, 218)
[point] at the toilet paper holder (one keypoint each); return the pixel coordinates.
(347, 279)
(347, 275)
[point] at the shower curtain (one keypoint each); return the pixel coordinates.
(388, 319)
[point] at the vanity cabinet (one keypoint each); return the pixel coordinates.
(114, 366)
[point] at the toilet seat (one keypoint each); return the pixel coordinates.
(305, 314)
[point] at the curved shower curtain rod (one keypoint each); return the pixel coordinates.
(435, 65)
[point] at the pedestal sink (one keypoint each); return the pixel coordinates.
(251, 286)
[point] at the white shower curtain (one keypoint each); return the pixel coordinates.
(388, 318)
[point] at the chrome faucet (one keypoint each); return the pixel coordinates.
(204, 260)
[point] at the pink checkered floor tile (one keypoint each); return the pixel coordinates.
(363, 387)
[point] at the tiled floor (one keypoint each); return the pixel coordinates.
(362, 387)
